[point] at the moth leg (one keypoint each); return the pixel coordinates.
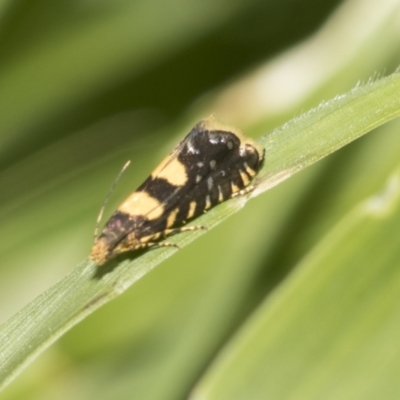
(131, 243)
(157, 244)
(244, 191)
(169, 232)
(166, 244)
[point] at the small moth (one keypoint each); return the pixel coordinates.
(210, 165)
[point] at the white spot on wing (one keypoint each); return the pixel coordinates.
(214, 140)
(220, 194)
(210, 183)
(213, 164)
(191, 149)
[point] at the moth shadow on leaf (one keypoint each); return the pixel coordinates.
(110, 265)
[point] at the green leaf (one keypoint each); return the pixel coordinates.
(78, 58)
(288, 150)
(331, 330)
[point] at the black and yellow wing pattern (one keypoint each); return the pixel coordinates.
(210, 165)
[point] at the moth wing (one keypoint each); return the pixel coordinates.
(192, 160)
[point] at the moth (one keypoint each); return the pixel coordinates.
(211, 164)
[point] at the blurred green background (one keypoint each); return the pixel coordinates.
(87, 84)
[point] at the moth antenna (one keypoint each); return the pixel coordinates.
(100, 216)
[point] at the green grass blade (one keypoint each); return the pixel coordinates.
(331, 330)
(325, 129)
(82, 57)
(288, 150)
